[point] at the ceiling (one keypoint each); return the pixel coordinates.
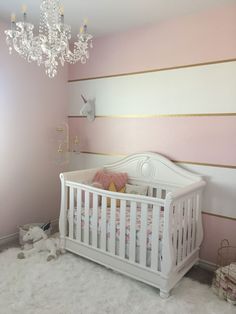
(111, 16)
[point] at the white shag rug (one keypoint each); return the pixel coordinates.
(73, 285)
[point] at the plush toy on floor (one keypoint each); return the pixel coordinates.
(40, 242)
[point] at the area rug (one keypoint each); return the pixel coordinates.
(73, 285)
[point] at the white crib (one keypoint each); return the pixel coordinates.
(164, 246)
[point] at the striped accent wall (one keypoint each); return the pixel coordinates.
(187, 114)
(177, 97)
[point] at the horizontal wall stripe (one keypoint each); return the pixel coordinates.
(202, 139)
(215, 230)
(176, 161)
(219, 196)
(104, 154)
(192, 91)
(223, 114)
(220, 216)
(204, 164)
(154, 70)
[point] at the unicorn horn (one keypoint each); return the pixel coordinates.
(85, 101)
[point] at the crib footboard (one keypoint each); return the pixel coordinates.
(183, 232)
(147, 238)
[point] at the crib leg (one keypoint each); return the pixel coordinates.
(164, 294)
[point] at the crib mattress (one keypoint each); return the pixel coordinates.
(127, 229)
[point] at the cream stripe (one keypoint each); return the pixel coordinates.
(199, 90)
(153, 70)
(176, 161)
(225, 114)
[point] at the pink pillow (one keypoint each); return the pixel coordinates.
(105, 178)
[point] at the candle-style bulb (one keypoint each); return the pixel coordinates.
(86, 21)
(62, 14)
(81, 29)
(62, 10)
(13, 18)
(24, 8)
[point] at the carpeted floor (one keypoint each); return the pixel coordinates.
(73, 285)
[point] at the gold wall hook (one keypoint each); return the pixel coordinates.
(60, 150)
(76, 140)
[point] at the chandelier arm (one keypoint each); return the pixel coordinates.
(51, 45)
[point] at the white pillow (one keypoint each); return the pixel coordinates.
(136, 189)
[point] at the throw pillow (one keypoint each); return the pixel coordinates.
(113, 188)
(136, 189)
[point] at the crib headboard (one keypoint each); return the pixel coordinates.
(153, 168)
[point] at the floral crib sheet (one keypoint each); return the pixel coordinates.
(127, 220)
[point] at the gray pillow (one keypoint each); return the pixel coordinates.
(136, 189)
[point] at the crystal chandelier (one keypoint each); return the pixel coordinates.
(52, 43)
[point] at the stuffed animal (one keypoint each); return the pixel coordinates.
(88, 109)
(40, 242)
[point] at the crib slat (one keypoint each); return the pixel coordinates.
(180, 243)
(103, 223)
(112, 240)
(185, 226)
(155, 237)
(122, 228)
(71, 214)
(86, 218)
(175, 231)
(194, 223)
(132, 243)
(190, 213)
(143, 235)
(95, 221)
(79, 207)
(199, 229)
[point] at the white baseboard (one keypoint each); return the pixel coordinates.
(55, 225)
(14, 237)
(9, 239)
(207, 265)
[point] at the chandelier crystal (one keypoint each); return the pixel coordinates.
(51, 46)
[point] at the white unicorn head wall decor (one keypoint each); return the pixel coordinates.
(88, 108)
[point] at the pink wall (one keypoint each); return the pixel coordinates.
(204, 37)
(31, 106)
(215, 230)
(181, 141)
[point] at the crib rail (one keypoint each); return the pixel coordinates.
(107, 221)
(92, 221)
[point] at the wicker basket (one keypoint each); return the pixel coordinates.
(224, 281)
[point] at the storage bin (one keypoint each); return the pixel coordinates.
(224, 281)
